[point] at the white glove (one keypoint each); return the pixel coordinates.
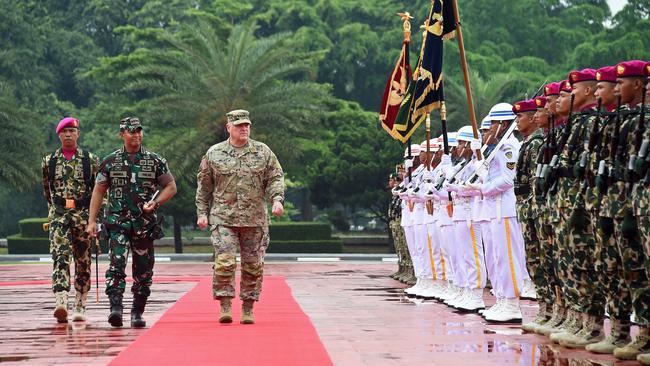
(445, 159)
(408, 163)
(481, 169)
(475, 145)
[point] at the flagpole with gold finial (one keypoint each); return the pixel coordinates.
(463, 62)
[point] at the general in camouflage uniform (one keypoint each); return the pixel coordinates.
(526, 213)
(131, 176)
(68, 179)
(235, 179)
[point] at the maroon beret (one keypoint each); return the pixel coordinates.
(524, 106)
(634, 68)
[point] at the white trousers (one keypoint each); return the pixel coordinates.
(446, 242)
(510, 260)
(423, 267)
(457, 253)
(435, 252)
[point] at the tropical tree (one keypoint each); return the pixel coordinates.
(18, 167)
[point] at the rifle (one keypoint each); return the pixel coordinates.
(553, 165)
(614, 145)
(640, 146)
(490, 157)
(590, 147)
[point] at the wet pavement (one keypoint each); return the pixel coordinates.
(361, 316)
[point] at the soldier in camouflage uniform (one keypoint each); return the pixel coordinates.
(609, 265)
(630, 82)
(580, 286)
(68, 179)
(235, 179)
(131, 176)
(640, 194)
(394, 216)
(526, 212)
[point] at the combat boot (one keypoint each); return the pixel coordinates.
(225, 313)
(509, 312)
(542, 316)
(474, 301)
(592, 332)
(79, 314)
(247, 312)
(139, 302)
(61, 307)
(553, 324)
(644, 358)
(410, 278)
(640, 345)
(115, 317)
(619, 336)
(571, 326)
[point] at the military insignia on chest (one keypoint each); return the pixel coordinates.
(511, 165)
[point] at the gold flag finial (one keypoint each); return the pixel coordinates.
(406, 17)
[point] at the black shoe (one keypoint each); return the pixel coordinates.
(115, 317)
(137, 309)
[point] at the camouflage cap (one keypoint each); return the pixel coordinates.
(130, 124)
(238, 117)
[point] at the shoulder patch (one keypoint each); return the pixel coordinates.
(509, 154)
(511, 165)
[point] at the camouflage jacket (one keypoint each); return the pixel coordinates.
(395, 208)
(234, 184)
(526, 168)
(132, 180)
(616, 203)
(68, 184)
(641, 189)
(568, 186)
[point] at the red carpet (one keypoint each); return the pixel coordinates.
(189, 333)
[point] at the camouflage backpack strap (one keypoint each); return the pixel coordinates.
(51, 169)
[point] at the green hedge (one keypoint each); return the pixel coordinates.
(305, 246)
(300, 230)
(33, 228)
(17, 244)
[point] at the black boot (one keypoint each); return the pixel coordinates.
(137, 309)
(115, 317)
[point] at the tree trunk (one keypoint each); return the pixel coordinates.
(178, 240)
(306, 212)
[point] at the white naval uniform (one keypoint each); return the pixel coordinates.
(507, 239)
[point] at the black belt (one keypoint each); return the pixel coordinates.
(565, 173)
(522, 190)
(80, 203)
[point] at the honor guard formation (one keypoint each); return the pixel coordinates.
(556, 209)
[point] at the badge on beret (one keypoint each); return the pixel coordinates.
(509, 154)
(518, 107)
(511, 166)
(574, 76)
(598, 75)
(547, 89)
(620, 70)
(538, 102)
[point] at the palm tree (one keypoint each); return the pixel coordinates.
(199, 77)
(485, 94)
(18, 160)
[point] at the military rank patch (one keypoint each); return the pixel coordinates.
(511, 166)
(509, 154)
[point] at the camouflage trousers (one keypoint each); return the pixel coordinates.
(644, 232)
(403, 256)
(69, 241)
(544, 274)
(252, 243)
(120, 243)
(634, 272)
(610, 271)
(533, 260)
(580, 280)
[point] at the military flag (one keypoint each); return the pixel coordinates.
(398, 82)
(428, 93)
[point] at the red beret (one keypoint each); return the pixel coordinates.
(607, 73)
(552, 89)
(540, 102)
(632, 68)
(67, 122)
(582, 75)
(565, 86)
(524, 106)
